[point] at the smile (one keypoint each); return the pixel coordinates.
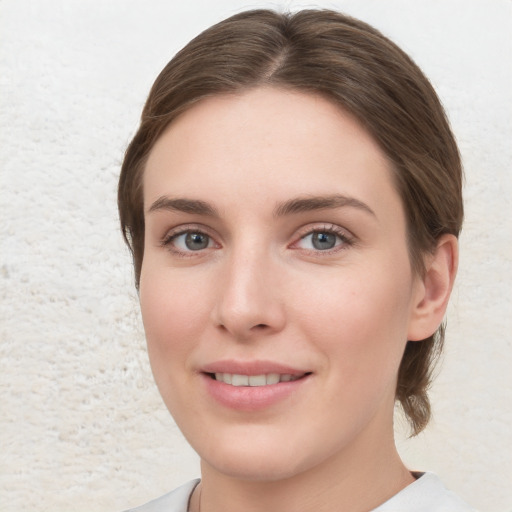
(255, 392)
(235, 379)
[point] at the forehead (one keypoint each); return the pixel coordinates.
(269, 141)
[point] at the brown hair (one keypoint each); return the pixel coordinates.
(356, 67)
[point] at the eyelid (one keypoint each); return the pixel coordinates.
(347, 238)
(171, 234)
(344, 234)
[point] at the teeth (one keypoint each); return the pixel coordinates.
(272, 378)
(239, 380)
(255, 380)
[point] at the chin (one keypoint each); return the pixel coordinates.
(260, 458)
(256, 468)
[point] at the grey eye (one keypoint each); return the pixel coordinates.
(196, 241)
(322, 240)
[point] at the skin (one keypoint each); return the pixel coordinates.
(260, 290)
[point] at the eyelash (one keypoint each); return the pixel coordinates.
(346, 239)
(171, 236)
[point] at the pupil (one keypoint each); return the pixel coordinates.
(323, 241)
(196, 241)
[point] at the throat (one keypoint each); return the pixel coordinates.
(324, 488)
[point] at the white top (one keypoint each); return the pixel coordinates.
(426, 494)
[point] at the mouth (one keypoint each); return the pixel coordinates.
(265, 379)
(251, 386)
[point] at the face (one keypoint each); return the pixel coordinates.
(276, 288)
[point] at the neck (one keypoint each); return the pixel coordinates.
(355, 480)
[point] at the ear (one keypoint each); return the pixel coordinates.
(433, 289)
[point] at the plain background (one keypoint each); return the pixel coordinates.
(81, 424)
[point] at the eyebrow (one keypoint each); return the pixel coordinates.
(307, 204)
(296, 205)
(194, 206)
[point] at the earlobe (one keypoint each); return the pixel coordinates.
(433, 292)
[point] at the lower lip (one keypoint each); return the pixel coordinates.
(251, 398)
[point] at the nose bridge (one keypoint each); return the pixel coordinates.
(248, 299)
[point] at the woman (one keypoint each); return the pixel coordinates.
(292, 200)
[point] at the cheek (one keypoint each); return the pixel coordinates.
(361, 325)
(172, 309)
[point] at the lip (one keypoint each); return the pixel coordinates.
(256, 367)
(247, 398)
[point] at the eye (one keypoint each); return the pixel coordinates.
(324, 239)
(188, 241)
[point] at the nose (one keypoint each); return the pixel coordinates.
(250, 298)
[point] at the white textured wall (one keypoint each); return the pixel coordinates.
(81, 425)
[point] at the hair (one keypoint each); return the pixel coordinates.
(354, 66)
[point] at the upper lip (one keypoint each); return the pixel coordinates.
(257, 367)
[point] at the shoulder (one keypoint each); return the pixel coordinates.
(426, 494)
(174, 501)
